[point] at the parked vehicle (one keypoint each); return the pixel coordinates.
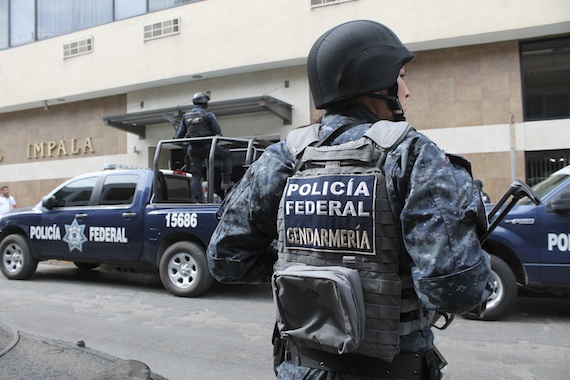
(530, 247)
(25, 355)
(128, 217)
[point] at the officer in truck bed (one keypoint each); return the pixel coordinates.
(199, 122)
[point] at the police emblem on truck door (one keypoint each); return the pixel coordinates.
(75, 235)
(330, 213)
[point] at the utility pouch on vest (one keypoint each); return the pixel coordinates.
(320, 307)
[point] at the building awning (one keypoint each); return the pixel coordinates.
(136, 122)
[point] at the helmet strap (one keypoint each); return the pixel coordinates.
(393, 103)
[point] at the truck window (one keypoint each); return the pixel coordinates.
(119, 189)
(173, 188)
(544, 187)
(178, 189)
(76, 193)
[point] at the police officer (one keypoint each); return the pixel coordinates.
(356, 74)
(198, 122)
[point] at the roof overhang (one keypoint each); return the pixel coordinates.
(135, 122)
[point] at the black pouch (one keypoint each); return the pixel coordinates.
(320, 307)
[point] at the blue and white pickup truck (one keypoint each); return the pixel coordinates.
(125, 217)
(530, 247)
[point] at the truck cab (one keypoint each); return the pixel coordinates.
(530, 247)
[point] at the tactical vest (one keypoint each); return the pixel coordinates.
(196, 124)
(335, 212)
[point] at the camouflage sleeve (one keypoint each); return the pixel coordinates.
(240, 249)
(442, 214)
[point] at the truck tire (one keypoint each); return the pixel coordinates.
(184, 270)
(17, 260)
(505, 294)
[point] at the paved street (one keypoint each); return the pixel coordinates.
(226, 333)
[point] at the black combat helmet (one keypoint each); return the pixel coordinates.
(201, 98)
(354, 59)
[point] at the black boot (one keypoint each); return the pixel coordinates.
(227, 182)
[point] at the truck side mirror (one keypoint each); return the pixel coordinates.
(49, 202)
(560, 203)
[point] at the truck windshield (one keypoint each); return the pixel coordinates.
(544, 187)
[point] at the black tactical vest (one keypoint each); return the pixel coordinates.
(335, 212)
(196, 124)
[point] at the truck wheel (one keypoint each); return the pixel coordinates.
(17, 260)
(505, 294)
(184, 270)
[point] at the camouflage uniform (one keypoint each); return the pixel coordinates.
(441, 217)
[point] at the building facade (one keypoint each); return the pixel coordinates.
(490, 81)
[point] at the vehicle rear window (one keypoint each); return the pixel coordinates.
(173, 189)
(178, 189)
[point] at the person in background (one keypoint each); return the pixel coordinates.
(7, 202)
(484, 195)
(217, 198)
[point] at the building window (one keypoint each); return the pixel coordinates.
(541, 164)
(129, 8)
(57, 17)
(79, 47)
(26, 21)
(546, 78)
(4, 25)
(157, 5)
(22, 22)
(318, 3)
(162, 29)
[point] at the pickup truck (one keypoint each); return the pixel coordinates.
(126, 217)
(530, 247)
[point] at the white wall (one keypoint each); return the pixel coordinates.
(269, 82)
(226, 37)
(529, 136)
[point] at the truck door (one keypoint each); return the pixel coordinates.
(104, 225)
(115, 223)
(61, 232)
(554, 235)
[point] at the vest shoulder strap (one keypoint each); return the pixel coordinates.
(388, 134)
(300, 138)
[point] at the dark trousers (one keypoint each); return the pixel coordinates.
(197, 154)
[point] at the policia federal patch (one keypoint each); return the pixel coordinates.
(331, 213)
